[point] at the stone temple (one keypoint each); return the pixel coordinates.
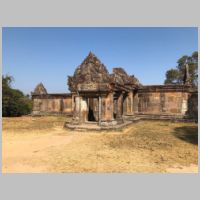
(114, 100)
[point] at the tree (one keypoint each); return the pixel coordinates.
(14, 102)
(175, 76)
(172, 76)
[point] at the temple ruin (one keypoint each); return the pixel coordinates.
(114, 100)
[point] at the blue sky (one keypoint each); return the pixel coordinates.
(49, 55)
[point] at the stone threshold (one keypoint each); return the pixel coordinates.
(95, 126)
(167, 117)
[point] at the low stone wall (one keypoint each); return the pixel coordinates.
(55, 104)
(166, 99)
(180, 101)
(163, 102)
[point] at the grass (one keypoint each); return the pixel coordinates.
(146, 146)
(32, 123)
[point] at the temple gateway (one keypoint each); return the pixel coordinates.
(112, 100)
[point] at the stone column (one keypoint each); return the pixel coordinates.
(184, 105)
(119, 109)
(162, 102)
(36, 106)
(73, 102)
(112, 107)
(125, 104)
(109, 107)
(76, 111)
(129, 104)
(135, 103)
(99, 110)
(106, 110)
(83, 109)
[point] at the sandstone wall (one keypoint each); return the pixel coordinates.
(163, 102)
(67, 105)
(193, 105)
(173, 100)
(167, 99)
(52, 104)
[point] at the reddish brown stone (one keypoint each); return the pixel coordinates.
(106, 99)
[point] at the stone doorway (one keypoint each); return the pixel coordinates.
(93, 109)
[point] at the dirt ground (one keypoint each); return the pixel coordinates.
(41, 144)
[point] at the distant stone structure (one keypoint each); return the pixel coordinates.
(39, 89)
(112, 99)
(50, 104)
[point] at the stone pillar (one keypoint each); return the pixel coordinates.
(129, 104)
(162, 102)
(184, 106)
(99, 110)
(125, 104)
(135, 103)
(36, 106)
(83, 109)
(73, 102)
(106, 111)
(109, 107)
(119, 109)
(76, 111)
(80, 110)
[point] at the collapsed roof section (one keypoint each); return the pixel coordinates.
(121, 79)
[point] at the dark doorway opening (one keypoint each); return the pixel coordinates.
(115, 108)
(91, 116)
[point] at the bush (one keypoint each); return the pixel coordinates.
(14, 102)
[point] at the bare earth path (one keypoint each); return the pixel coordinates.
(42, 145)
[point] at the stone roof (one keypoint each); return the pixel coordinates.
(121, 77)
(90, 71)
(93, 75)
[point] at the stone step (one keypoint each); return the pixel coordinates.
(181, 118)
(95, 127)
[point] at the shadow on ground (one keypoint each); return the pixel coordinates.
(187, 133)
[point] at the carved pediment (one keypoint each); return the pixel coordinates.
(91, 70)
(93, 74)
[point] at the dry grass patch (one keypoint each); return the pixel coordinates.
(147, 146)
(28, 123)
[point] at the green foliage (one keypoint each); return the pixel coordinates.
(171, 76)
(175, 76)
(14, 102)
